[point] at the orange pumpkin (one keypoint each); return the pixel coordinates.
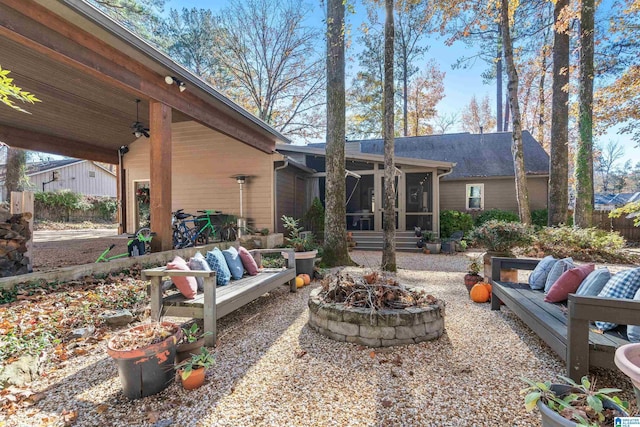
(299, 282)
(489, 288)
(305, 278)
(479, 293)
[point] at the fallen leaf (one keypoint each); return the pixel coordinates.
(386, 403)
(372, 354)
(300, 353)
(69, 417)
(153, 416)
(101, 408)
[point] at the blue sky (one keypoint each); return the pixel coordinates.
(460, 84)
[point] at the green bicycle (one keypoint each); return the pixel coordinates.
(139, 244)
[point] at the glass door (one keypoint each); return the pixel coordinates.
(419, 201)
(143, 204)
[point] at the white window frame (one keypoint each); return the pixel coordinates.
(468, 196)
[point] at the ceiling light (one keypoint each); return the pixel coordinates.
(174, 80)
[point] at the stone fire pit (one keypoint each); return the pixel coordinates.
(375, 328)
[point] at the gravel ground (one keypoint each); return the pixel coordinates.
(272, 370)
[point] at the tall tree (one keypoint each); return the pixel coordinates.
(443, 122)
(274, 67)
(16, 170)
(606, 158)
(413, 22)
(499, 123)
(389, 223)
(424, 92)
(191, 34)
(477, 116)
(583, 214)
(559, 157)
(522, 193)
(140, 16)
(335, 238)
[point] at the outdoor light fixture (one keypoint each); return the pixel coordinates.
(174, 80)
(138, 128)
(241, 179)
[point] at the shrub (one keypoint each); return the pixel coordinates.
(314, 218)
(452, 221)
(585, 244)
(498, 215)
(64, 202)
(502, 236)
(539, 217)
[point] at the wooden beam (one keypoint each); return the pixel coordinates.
(160, 184)
(35, 27)
(36, 141)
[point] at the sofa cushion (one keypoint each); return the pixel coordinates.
(558, 268)
(185, 284)
(593, 284)
(198, 263)
(633, 331)
(538, 276)
(624, 284)
(568, 283)
(248, 261)
(217, 263)
(233, 262)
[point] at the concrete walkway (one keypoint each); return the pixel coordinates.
(59, 235)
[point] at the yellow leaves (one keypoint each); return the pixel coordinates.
(9, 91)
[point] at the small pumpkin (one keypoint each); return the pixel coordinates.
(479, 293)
(299, 282)
(305, 278)
(489, 288)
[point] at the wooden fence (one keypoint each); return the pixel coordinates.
(622, 225)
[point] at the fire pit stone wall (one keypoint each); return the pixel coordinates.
(384, 328)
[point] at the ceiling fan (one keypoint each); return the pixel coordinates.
(138, 128)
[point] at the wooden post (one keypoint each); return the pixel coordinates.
(160, 183)
(22, 202)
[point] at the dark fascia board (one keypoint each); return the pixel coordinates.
(158, 61)
(366, 156)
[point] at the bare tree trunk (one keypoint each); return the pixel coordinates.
(499, 126)
(507, 110)
(16, 170)
(541, 110)
(335, 238)
(583, 214)
(405, 84)
(559, 154)
(522, 193)
(389, 223)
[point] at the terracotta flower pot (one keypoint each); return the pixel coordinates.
(194, 380)
(471, 279)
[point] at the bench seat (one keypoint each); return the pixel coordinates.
(216, 302)
(566, 329)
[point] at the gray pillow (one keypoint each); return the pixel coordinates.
(559, 267)
(633, 331)
(538, 276)
(593, 284)
(197, 262)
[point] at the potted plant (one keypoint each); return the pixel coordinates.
(500, 238)
(303, 245)
(573, 404)
(145, 357)
(473, 276)
(192, 371)
(431, 242)
(190, 343)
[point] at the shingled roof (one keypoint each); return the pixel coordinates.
(475, 155)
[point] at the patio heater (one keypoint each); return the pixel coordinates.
(242, 222)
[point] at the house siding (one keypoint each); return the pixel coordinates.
(203, 164)
(499, 193)
(75, 177)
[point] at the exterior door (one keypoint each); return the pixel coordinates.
(379, 191)
(418, 200)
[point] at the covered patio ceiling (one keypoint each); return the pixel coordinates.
(88, 71)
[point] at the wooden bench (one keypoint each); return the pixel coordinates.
(565, 329)
(216, 302)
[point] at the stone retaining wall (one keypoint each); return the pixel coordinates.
(383, 328)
